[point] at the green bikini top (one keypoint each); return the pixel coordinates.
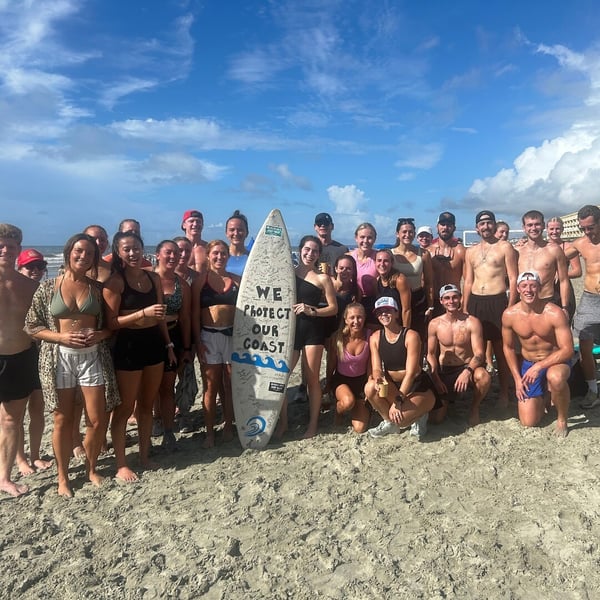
(60, 310)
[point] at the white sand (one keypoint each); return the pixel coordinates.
(496, 511)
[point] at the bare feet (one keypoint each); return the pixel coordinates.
(280, 431)
(42, 465)
(126, 475)
(474, 418)
(209, 442)
(561, 430)
(25, 468)
(96, 480)
(64, 490)
(79, 452)
(14, 489)
(309, 433)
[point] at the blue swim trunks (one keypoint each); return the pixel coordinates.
(538, 387)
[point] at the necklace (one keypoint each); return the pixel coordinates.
(484, 254)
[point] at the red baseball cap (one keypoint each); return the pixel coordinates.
(188, 214)
(29, 256)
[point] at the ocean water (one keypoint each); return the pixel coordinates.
(54, 256)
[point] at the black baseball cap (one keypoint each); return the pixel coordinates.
(323, 219)
(485, 215)
(447, 217)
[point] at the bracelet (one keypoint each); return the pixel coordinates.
(468, 368)
(565, 307)
(170, 345)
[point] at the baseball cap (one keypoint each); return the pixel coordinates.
(323, 219)
(529, 276)
(446, 289)
(447, 217)
(29, 256)
(385, 302)
(188, 214)
(485, 215)
(424, 229)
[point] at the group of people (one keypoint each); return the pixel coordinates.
(404, 329)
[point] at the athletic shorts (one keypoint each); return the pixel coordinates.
(540, 385)
(421, 384)
(356, 384)
(138, 348)
(586, 323)
(310, 331)
(19, 374)
(78, 366)
(449, 375)
(218, 345)
(489, 309)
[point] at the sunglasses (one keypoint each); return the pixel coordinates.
(39, 266)
(406, 221)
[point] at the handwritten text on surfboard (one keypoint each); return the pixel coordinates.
(264, 334)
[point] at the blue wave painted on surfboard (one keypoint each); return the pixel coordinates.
(256, 426)
(268, 363)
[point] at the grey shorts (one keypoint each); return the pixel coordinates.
(218, 343)
(586, 323)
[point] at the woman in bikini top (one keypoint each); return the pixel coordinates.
(72, 318)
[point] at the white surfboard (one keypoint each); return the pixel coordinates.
(263, 334)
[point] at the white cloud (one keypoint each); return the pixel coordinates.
(115, 91)
(423, 156)
(561, 174)
(348, 199)
(178, 167)
(289, 178)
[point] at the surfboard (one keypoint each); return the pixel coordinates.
(263, 334)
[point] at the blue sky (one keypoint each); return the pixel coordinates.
(368, 110)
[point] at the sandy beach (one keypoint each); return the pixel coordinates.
(496, 511)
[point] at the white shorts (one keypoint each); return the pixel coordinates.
(218, 346)
(78, 366)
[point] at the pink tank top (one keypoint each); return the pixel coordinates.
(367, 275)
(354, 366)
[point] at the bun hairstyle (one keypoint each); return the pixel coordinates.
(238, 215)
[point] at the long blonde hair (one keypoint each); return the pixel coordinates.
(342, 335)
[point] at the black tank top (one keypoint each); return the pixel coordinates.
(393, 355)
(132, 299)
(307, 292)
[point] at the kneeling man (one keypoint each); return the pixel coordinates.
(456, 355)
(546, 348)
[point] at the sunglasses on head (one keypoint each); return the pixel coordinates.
(406, 221)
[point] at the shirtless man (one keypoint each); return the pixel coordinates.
(488, 266)
(101, 238)
(18, 357)
(127, 225)
(456, 355)
(586, 324)
(547, 260)
(546, 346)
(193, 223)
(447, 257)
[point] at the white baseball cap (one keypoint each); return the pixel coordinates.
(424, 229)
(529, 276)
(385, 302)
